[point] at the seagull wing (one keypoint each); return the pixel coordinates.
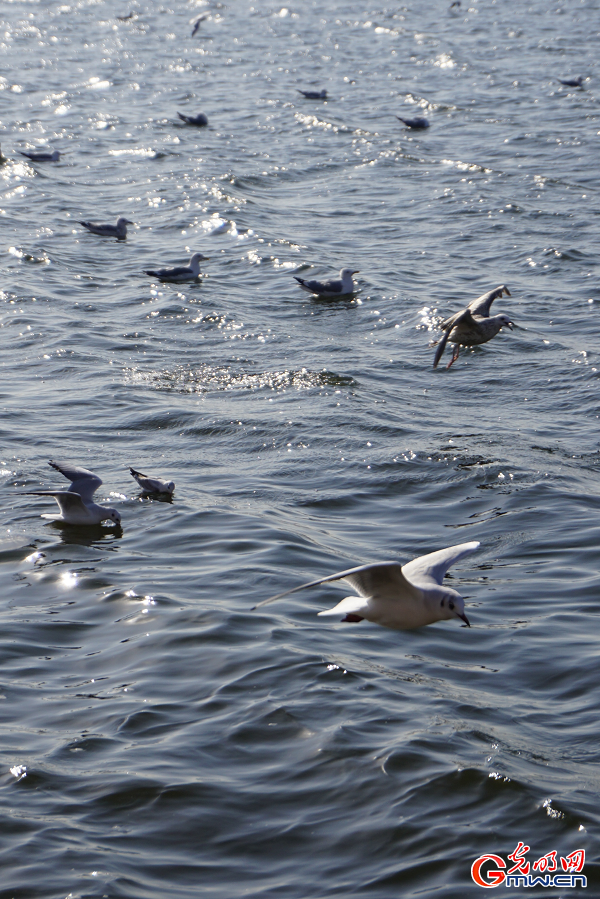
(174, 272)
(483, 304)
(83, 482)
(428, 571)
(380, 579)
(66, 499)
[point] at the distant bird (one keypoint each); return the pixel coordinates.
(416, 123)
(119, 230)
(199, 119)
(313, 95)
(197, 24)
(572, 82)
(454, 8)
(124, 18)
(42, 157)
(152, 485)
(398, 596)
(76, 503)
(3, 158)
(183, 273)
(333, 288)
(472, 325)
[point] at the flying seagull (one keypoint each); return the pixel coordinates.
(198, 23)
(473, 325)
(183, 273)
(152, 485)
(333, 288)
(398, 596)
(76, 503)
(119, 230)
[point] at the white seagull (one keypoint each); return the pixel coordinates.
(473, 325)
(152, 485)
(119, 230)
(398, 596)
(76, 503)
(183, 273)
(41, 157)
(198, 23)
(333, 288)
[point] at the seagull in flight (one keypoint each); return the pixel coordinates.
(119, 230)
(76, 504)
(198, 23)
(473, 325)
(183, 273)
(401, 597)
(332, 288)
(152, 485)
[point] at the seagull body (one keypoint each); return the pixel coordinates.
(401, 597)
(76, 503)
(198, 120)
(42, 157)
(416, 123)
(198, 23)
(473, 325)
(119, 230)
(152, 485)
(572, 82)
(313, 95)
(183, 273)
(333, 288)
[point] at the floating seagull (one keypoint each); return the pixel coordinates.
(124, 18)
(313, 95)
(199, 119)
(331, 288)
(572, 82)
(398, 596)
(42, 157)
(472, 325)
(76, 504)
(454, 8)
(197, 24)
(152, 485)
(183, 273)
(416, 123)
(119, 230)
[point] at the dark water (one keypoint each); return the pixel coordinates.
(158, 738)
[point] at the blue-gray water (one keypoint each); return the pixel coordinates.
(159, 739)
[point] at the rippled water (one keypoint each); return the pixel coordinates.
(159, 738)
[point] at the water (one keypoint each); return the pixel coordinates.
(158, 738)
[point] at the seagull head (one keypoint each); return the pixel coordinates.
(348, 272)
(198, 257)
(452, 605)
(171, 486)
(505, 321)
(115, 516)
(123, 221)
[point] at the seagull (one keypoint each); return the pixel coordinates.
(76, 504)
(313, 95)
(331, 288)
(197, 24)
(398, 596)
(183, 273)
(416, 123)
(472, 325)
(42, 157)
(199, 119)
(572, 82)
(152, 485)
(119, 230)
(124, 18)
(454, 8)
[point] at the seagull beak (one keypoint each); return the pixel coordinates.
(510, 325)
(465, 619)
(357, 272)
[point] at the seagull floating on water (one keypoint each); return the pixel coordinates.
(183, 273)
(76, 503)
(473, 325)
(198, 23)
(41, 157)
(152, 485)
(572, 82)
(313, 95)
(119, 230)
(199, 119)
(398, 596)
(333, 288)
(416, 123)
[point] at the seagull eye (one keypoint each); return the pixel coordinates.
(442, 604)
(451, 605)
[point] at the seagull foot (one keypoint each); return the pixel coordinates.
(352, 618)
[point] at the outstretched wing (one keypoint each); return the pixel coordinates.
(66, 499)
(463, 317)
(483, 304)
(83, 482)
(379, 579)
(428, 571)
